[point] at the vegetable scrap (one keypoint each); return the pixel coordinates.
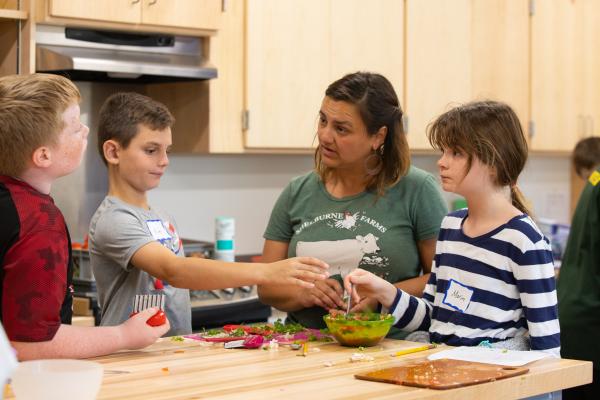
(328, 363)
(358, 357)
(179, 351)
(177, 339)
(165, 370)
(284, 334)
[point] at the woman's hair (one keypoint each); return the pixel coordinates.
(378, 105)
(586, 155)
(490, 131)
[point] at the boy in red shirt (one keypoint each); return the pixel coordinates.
(42, 139)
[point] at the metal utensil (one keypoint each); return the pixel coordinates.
(143, 301)
(349, 301)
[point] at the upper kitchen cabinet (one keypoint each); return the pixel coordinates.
(148, 15)
(16, 37)
(462, 50)
(556, 102)
(565, 77)
(288, 67)
(294, 50)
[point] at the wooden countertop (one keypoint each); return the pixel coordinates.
(192, 370)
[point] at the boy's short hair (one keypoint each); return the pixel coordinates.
(31, 116)
(586, 155)
(122, 113)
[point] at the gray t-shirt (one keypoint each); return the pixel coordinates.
(117, 231)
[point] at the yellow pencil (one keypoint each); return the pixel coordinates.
(415, 350)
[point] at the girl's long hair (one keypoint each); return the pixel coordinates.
(490, 131)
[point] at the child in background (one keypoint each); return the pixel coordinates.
(135, 248)
(579, 279)
(492, 278)
(42, 139)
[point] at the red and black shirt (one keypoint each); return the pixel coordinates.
(35, 264)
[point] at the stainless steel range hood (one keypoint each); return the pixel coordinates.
(86, 54)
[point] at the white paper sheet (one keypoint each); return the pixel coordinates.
(511, 358)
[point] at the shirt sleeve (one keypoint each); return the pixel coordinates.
(35, 282)
(534, 272)
(429, 209)
(280, 226)
(119, 235)
(413, 313)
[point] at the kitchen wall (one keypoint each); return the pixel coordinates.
(196, 189)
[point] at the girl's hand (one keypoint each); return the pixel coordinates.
(301, 271)
(137, 333)
(326, 294)
(366, 284)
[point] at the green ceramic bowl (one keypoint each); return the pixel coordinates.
(359, 329)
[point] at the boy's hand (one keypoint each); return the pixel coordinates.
(137, 333)
(326, 293)
(302, 271)
(366, 284)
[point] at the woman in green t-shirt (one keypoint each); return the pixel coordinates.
(363, 205)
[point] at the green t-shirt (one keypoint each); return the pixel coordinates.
(579, 279)
(358, 231)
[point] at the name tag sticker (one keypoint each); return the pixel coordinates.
(157, 229)
(458, 296)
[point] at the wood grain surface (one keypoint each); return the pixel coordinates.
(193, 370)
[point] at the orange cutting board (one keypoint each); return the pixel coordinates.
(442, 374)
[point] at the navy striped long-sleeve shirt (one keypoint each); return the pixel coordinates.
(492, 287)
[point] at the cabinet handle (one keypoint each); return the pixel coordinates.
(590, 122)
(152, 2)
(135, 1)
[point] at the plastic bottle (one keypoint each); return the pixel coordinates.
(224, 239)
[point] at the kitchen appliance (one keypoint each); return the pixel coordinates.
(97, 55)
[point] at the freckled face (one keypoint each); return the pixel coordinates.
(71, 143)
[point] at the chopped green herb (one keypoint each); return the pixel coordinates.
(177, 339)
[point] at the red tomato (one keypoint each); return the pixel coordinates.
(157, 319)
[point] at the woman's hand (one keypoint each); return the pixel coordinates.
(366, 284)
(326, 294)
(301, 271)
(136, 333)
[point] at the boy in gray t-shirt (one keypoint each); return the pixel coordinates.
(134, 248)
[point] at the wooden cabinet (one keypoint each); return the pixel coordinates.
(16, 37)
(294, 50)
(142, 14)
(565, 77)
(462, 50)
(220, 99)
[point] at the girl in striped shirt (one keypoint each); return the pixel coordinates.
(492, 278)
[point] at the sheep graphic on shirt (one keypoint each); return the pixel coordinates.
(343, 256)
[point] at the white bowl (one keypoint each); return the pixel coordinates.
(57, 379)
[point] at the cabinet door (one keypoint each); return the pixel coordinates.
(500, 54)
(438, 62)
(105, 10)
(195, 14)
(555, 103)
(368, 36)
(588, 58)
(287, 71)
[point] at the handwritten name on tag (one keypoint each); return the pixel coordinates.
(157, 230)
(458, 296)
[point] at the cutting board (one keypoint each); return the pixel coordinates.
(442, 374)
